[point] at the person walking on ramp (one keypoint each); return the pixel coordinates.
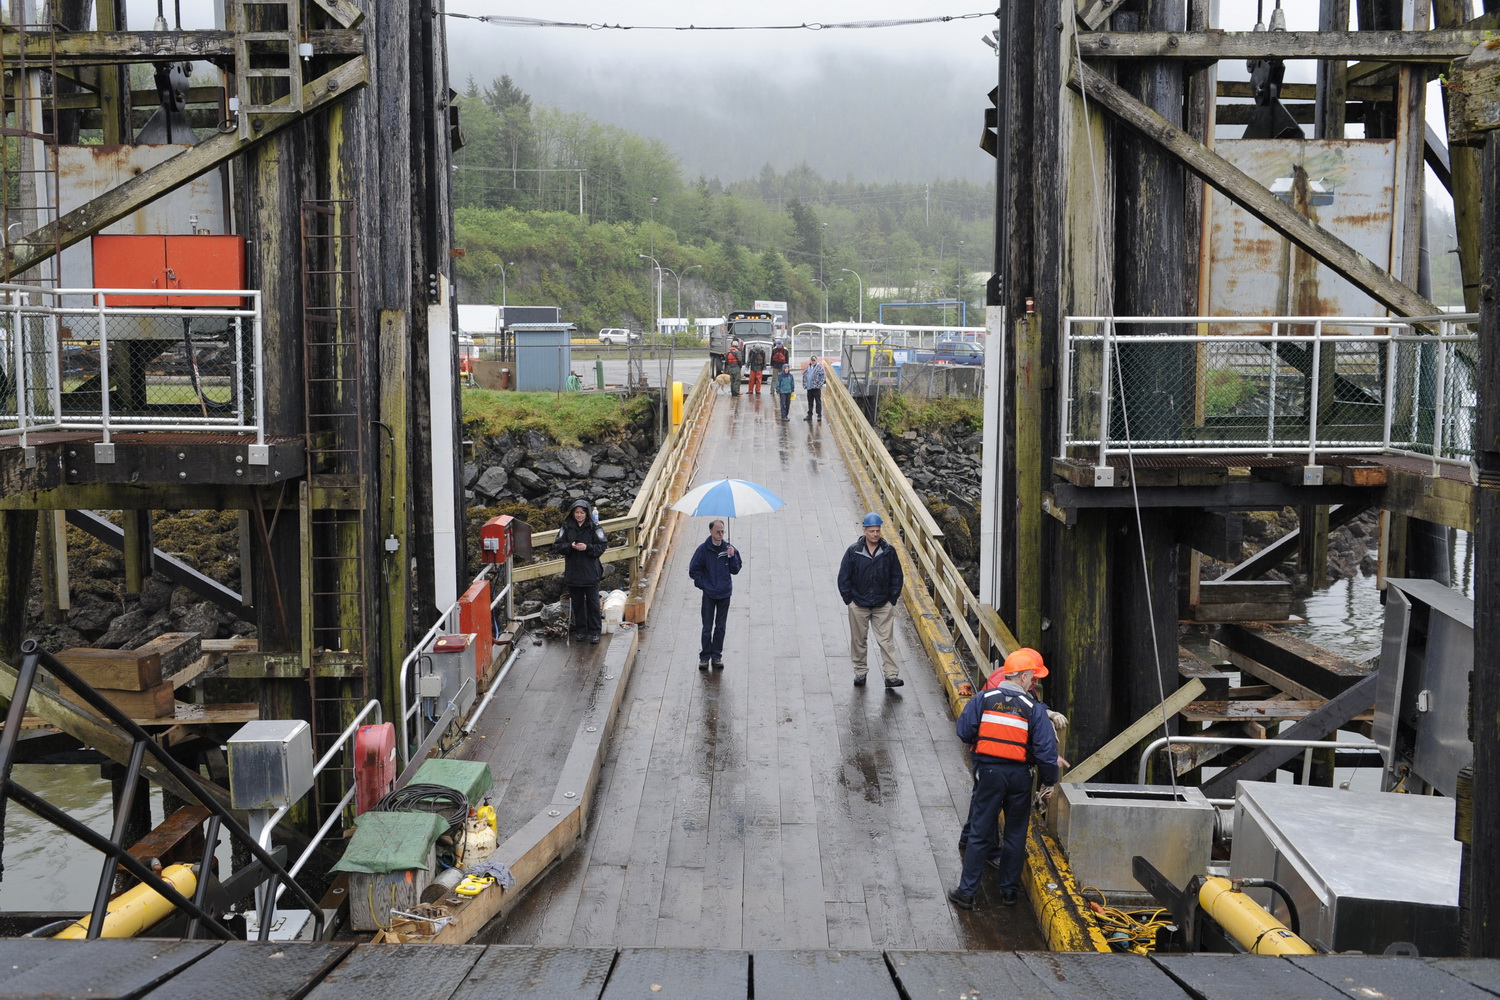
(712, 566)
(813, 379)
(870, 580)
(1009, 731)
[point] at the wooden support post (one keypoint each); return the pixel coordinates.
(1333, 76)
(114, 95)
(247, 558)
(394, 505)
(1463, 166)
(17, 562)
(1483, 919)
(1078, 649)
(1312, 545)
(52, 549)
(1029, 484)
(137, 549)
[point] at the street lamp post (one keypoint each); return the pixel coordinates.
(646, 256)
(509, 263)
(861, 291)
(825, 298)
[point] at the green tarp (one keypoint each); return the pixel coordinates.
(391, 842)
(472, 777)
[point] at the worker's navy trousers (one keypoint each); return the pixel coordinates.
(999, 788)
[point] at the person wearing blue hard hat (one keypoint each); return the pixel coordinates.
(870, 581)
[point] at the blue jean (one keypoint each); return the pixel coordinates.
(998, 789)
(715, 614)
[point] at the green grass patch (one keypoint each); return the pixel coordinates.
(569, 418)
(900, 413)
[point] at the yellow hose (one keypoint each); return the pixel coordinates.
(137, 909)
(1247, 921)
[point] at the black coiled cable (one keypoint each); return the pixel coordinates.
(449, 803)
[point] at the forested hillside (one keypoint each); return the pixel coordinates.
(525, 171)
(567, 206)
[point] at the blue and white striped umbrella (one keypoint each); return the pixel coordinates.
(728, 498)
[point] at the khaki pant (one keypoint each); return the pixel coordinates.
(883, 619)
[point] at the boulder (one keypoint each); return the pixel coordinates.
(530, 483)
(492, 481)
(609, 473)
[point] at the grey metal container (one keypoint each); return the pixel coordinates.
(1365, 869)
(1102, 826)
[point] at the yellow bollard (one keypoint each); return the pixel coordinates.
(676, 403)
(136, 910)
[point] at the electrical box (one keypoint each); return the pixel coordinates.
(474, 617)
(374, 764)
(495, 539)
(452, 658)
(1101, 826)
(270, 763)
(1365, 869)
(170, 262)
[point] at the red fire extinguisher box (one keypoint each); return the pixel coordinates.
(374, 764)
(170, 262)
(474, 617)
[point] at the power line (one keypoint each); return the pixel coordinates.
(510, 21)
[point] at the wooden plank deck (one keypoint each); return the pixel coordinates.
(771, 804)
(173, 970)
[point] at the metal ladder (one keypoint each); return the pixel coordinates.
(267, 64)
(28, 165)
(334, 523)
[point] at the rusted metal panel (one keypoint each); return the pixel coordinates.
(1347, 186)
(86, 172)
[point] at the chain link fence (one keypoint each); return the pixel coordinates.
(1219, 385)
(64, 367)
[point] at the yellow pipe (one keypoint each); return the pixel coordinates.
(1247, 921)
(137, 909)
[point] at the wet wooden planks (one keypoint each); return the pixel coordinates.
(771, 804)
(127, 969)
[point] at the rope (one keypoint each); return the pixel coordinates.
(1106, 293)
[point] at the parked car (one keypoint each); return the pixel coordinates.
(616, 336)
(953, 352)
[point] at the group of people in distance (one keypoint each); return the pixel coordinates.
(752, 363)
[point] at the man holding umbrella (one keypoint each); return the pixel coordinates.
(712, 566)
(715, 561)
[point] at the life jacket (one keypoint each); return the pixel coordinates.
(732, 357)
(778, 357)
(1005, 726)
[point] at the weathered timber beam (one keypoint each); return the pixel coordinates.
(98, 48)
(1295, 91)
(1435, 152)
(93, 731)
(1095, 12)
(1285, 547)
(1295, 665)
(1316, 726)
(1135, 732)
(1215, 533)
(1243, 190)
(168, 565)
(342, 11)
(88, 219)
(1382, 46)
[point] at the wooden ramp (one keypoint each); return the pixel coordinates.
(770, 804)
(193, 970)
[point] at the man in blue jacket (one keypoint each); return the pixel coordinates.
(1009, 732)
(870, 580)
(712, 566)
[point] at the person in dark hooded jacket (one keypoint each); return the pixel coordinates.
(712, 568)
(581, 542)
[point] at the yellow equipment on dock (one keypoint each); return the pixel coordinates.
(1247, 921)
(136, 910)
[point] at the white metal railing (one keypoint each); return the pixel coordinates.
(69, 360)
(412, 726)
(827, 340)
(266, 905)
(1292, 385)
(1252, 741)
